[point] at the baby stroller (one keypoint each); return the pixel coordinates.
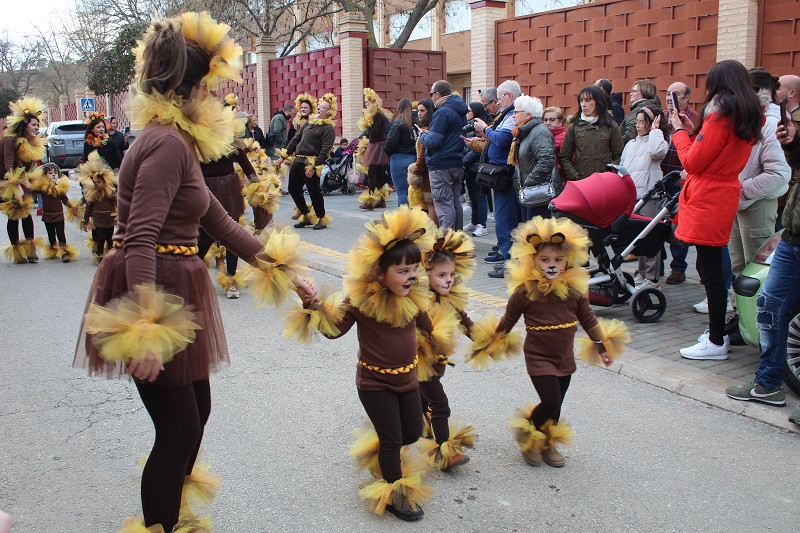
(605, 205)
(334, 172)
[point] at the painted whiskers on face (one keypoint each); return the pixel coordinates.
(441, 277)
(399, 278)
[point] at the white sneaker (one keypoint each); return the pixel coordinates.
(705, 350)
(648, 283)
(490, 216)
(638, 279)
(233, 292)
(480, 231)
(702, 307)
(469, 227)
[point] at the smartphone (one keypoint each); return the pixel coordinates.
(673, 98)
(127, 130)
(782, 106)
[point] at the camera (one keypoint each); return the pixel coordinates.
(470, 127)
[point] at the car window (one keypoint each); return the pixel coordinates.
(68, 129)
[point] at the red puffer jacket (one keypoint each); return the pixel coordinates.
(713, 160)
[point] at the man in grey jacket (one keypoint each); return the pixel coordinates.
(278, 130)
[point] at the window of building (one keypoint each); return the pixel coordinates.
(468, 94)
(527, 7)
(457, 16)
(397, 23)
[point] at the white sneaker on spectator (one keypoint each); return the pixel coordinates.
(480, 231)
(469, 227)
(638, 279)
(705, 350)
(702, 307)
(490, 216)
(648, 283)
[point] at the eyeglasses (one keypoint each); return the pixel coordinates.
(432, 93)
(550, 119)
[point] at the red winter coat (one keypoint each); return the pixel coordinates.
(709, 199)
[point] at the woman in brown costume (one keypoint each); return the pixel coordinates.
(375, 122)
(21, 149)
(152, 291)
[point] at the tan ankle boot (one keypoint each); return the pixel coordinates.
(553, 457)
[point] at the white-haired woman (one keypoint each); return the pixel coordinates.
(533, 151)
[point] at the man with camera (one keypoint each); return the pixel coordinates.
(443, 151)
(494, 149)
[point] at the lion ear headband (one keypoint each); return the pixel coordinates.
(416, 234)
(92, 117)
(535, 240)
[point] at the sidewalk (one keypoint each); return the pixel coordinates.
(652, 355)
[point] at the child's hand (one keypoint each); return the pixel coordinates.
(147, 369)
(87, 227)
(601, 350)
(305, 289)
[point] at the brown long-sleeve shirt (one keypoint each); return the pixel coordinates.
(383, 346)
(224, 166)
(548, 352)
(313, 139)
(52, 207)
(162, 199)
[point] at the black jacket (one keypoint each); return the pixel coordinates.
(400, 140)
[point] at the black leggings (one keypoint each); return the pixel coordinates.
(55, 229)
(709, 266)
(376, 176)
(434, 399)
(179, 415)
(204, 242)
(297, 178)
(397, 418)
(551, 391)
(102, 240)
(13, 229)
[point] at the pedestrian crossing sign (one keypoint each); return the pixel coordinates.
(87, 105)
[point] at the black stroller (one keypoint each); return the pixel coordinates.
(334, 172)
(605, 205)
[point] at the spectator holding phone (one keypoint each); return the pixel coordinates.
(678, 93)
(401, 148)
(789, 96)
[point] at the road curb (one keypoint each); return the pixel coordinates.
(679, 378)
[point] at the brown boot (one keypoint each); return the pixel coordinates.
(553, 457)
(381, 204)
(367, 207)
(532, 456)
(456, 460)
(402, 508)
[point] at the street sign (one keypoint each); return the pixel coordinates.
(87, 105)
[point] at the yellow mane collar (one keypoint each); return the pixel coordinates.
(30, 151)
(205, 122)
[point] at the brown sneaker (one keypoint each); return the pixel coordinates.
(367, 207)
(676, 278)
(553, 457)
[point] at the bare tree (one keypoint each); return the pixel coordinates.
(61, 69)
(18, 63)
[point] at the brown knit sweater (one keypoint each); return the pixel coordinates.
(383, 346)
(313, 140)
(162, 199)
(548, 352)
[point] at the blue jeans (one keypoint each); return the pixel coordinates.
(727, 270)
(679, 253)
(530, 212)
(778, 299)
(507, 216)
(477, 201)
(398, 167)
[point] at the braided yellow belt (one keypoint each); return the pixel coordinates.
(174, 249)
(402, 370)
(554, 326)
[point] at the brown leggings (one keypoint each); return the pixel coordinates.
(397, 417)
(551, 391)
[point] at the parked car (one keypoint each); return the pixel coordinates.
(747, 286)
(65, 142)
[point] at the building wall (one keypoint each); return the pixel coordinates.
(457, 47)
(778, 42)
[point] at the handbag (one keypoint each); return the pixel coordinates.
(495, 177)
(536, 195)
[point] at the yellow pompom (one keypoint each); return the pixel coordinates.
(277, 264)
(365, 450)
(529, 437)
(148, 322)
(380, 493)
(201, 486)
(561, 433)
(322, 318)
(615, 336)
(489, 344)
(136, 525)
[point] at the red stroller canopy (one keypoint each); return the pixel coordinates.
(601, 198)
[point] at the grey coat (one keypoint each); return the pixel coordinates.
(279, 133)
(536, 154)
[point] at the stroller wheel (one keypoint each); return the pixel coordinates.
(648, 305)
(351, 190)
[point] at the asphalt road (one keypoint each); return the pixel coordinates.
(644, 459)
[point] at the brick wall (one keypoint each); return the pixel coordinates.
(316, 72)
(71, 111)
(457, 46)
(778, 39)
(245, 91)
(400, 73)
(554, 54)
